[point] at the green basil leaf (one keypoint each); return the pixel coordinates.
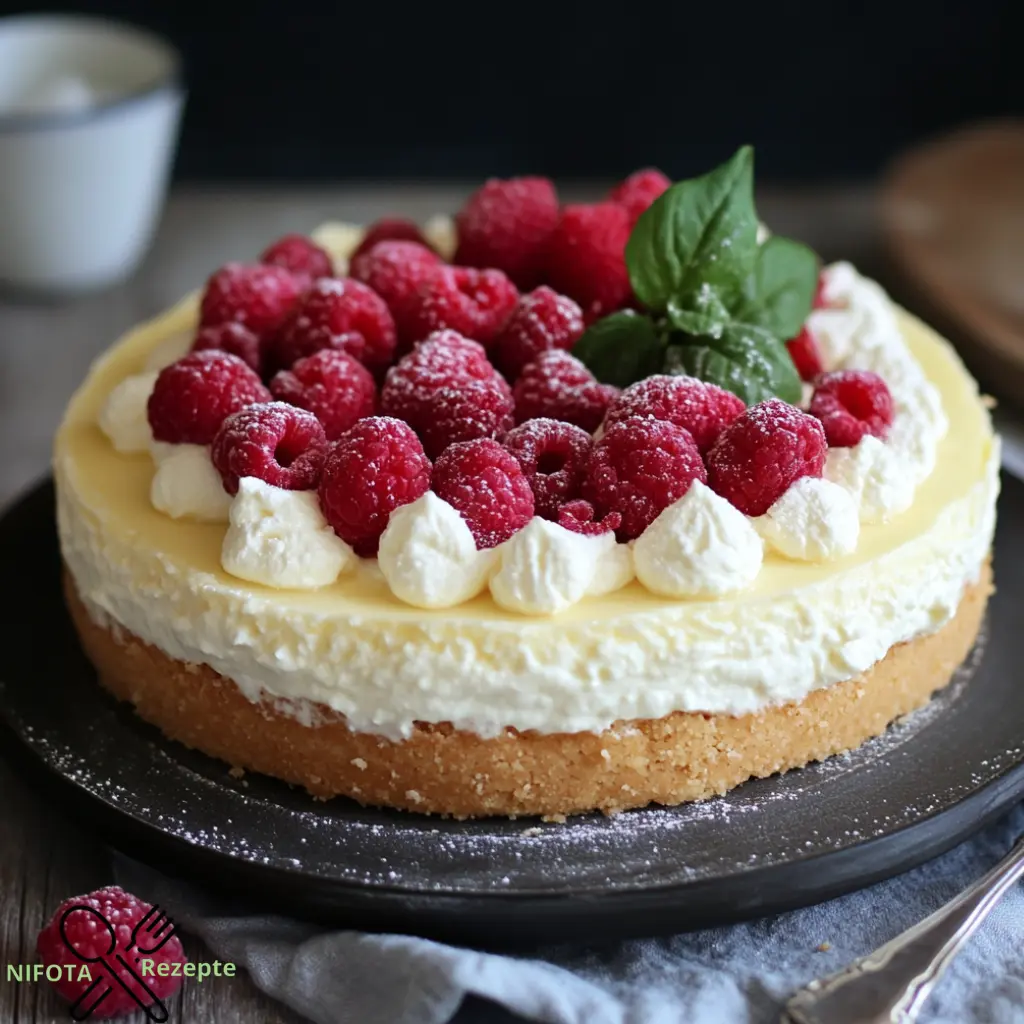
(708, 315)
(699, 232)
(674, 361)
(746, 360)
(621, 349)
(779, 294)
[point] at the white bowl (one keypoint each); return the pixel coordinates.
(89, 113)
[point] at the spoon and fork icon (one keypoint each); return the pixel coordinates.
(151, 933)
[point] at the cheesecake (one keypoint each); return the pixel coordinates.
(429, 520)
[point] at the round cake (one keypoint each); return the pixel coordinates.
(549, 509)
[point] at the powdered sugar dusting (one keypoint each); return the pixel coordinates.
(552, 454)
(447, 391)
(559, 386)
(705, 410)
(543, 320)
(109, 754)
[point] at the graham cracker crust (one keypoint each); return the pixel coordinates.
(441, 770)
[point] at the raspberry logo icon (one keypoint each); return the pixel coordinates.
(105, 953)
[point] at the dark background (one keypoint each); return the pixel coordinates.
(334, 90)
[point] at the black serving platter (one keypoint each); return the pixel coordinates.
(770, 845)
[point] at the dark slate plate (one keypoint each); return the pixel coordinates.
(770, 845)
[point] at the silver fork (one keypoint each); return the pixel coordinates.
(890, 985)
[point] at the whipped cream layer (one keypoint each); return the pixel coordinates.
(356, 648)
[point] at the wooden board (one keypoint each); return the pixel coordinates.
(953, 219)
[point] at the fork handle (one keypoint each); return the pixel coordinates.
(890, 985)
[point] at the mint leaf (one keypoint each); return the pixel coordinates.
(708, 315)
(621, 349)
(779, 294)
(701, 232)
(745, 359)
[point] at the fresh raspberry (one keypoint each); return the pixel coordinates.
(638, 191)
(442, 357)
(332, 385)
(301, 255)
(506, 225)
(282, 445)
(639, 468)
(756, 458)
(578, 516)
(850, 404)
(393, 267)
(473, 302)
(445, 359)
(389, 229)
(448, 391)
(705, 410)
(586, 257)
(543, 320)
(558, 386)
(806, 356)
(552, 454)
(370, 471)
(395, 270)
(819, 294)
(479, 408)
(257, 295)
(231, 337)
(87, 933)
(342, 314)
(193, 397)
(487, 486)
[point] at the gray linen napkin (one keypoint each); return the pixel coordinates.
(736, 975)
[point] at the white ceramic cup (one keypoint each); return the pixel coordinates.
(89, 113)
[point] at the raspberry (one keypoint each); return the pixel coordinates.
(301, 255)
(850, 404)
(639, 468)
(819, 294)
(558, 386)
(85, 932)
(506, 225)
(479, 408)
(389, 229)
(445, 359)
(806, 356)
(448, 391)
(552, 454)
(444, 356)
(473, 302)
(193, 397)
(756, 458)
(586, 257)
(332, 385)
(578, 516)
(338, 313)
(705, 410)
(257, 295)
(395, 270)
(370, 471)
(282, 445)
(638, 191)
(233, 338)
(543, 320)
(487, 486)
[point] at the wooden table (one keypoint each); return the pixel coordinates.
(45, 350)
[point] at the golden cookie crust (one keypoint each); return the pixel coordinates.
(441, 770)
